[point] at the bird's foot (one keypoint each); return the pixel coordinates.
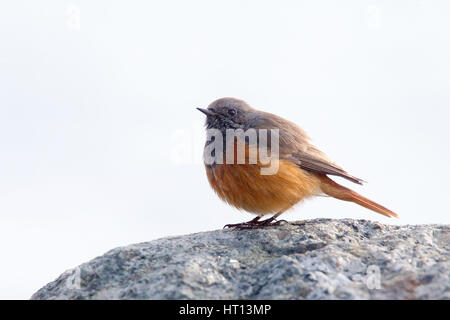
(254, 221)
(255, 224)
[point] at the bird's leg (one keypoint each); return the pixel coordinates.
(252, 222)
(277, 222)
(269, 222)
(255, 223)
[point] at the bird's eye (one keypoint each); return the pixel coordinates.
(232, 112)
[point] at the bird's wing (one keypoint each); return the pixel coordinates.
(312, 163)
(295, 146)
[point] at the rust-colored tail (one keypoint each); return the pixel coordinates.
(337, 191)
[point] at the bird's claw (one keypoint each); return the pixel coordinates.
(254, 224)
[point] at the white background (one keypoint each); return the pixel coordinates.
(101, 145)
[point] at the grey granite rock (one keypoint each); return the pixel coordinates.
(315, 259)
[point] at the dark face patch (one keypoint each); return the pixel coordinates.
(222, 121)
(228, 114)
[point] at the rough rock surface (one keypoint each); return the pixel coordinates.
(315, 259)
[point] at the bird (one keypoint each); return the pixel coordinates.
(303, 170)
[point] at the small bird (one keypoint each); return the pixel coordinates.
(303, 170)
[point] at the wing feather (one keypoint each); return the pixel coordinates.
(295, 146)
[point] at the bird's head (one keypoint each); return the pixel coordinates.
(229, 113)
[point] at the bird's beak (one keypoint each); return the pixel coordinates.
(206, 111)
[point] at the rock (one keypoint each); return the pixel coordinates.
(315, 259)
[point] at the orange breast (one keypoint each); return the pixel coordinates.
(243, 186)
